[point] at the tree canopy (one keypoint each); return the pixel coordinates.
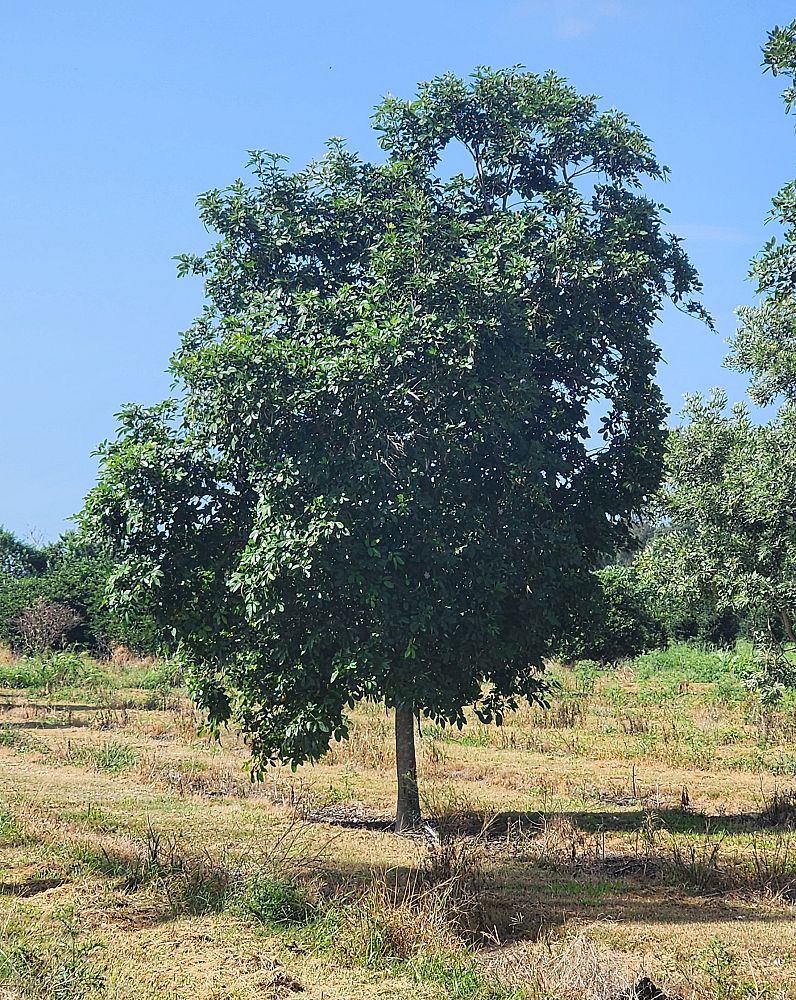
(418, 407)
(765, 343)
(18, 558)
(730, 495)
(730, 489)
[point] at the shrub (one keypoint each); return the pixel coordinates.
(45, 625)
(79, 578)
(273, 901)
(16, 594)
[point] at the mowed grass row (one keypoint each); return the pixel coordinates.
(641, 824)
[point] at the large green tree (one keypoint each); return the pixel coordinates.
(416, 410)
(765, 343)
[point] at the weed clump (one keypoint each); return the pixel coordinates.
(381, 926)
(9, 828)
(59, 964)
(780, 809)
(719, 968)
(112, 757)
(48, 672)
(272, 901)
(459, 976)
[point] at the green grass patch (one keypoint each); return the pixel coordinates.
(164, 676)
(274, 902)
(457, 976)
(21, 741)
(52, 672)
(112, 757)
(589, 892)
(683, 662)
(93, 817)
(63, 964)
(9, 828)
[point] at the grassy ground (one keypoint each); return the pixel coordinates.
(641, 825)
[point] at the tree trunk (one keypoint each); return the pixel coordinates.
(407, 812)
(784, 617)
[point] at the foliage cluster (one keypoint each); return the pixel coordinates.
(619, 622)
(635, 607)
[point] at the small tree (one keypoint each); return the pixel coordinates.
(730, 495)
(381, 480)
(18, 558)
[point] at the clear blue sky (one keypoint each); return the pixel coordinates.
(115, 116)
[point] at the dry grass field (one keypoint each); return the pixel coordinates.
(642, 825)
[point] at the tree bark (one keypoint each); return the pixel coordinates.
(407, 811)
(784, 617)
